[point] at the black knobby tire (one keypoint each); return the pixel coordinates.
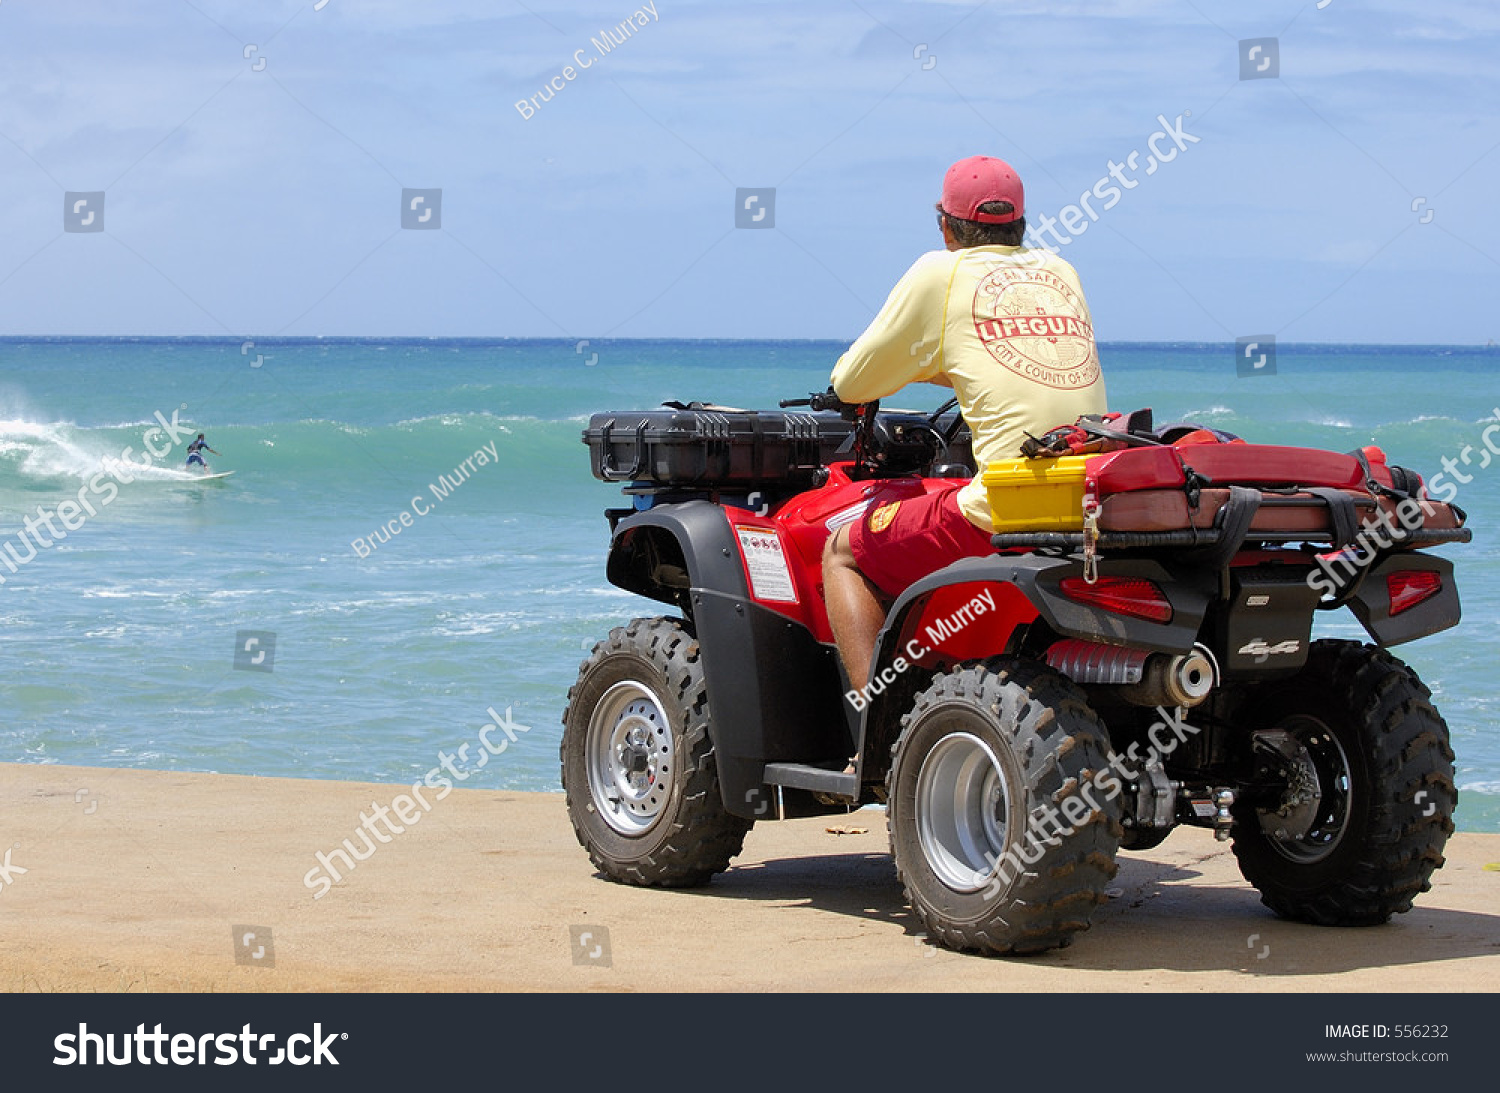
(655, 817)
(1038, 883)
(1380, 846)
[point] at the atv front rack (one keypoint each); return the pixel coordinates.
(707, 447)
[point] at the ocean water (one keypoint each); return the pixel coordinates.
(118, 643)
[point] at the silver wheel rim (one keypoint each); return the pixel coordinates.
(961, 809)
(628, 752)
(1321, 835)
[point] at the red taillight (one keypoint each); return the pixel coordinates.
(1133, 596)
(1411, 587)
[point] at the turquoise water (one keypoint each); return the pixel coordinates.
(119, 640)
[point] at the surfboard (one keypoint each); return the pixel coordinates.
(209, 477)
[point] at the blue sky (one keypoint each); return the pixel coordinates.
(1348, 199)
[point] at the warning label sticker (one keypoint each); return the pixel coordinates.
(765, 561)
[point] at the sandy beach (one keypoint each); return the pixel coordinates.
(149, 881)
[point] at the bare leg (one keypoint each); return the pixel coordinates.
(856, 609)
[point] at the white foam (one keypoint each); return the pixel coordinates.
(124, 594)
(51, 450)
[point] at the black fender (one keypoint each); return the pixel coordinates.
(662, 552)
(773, 689)
(1371, 604)
(1038, 578)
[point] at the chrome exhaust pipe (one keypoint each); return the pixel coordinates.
(1185, 679)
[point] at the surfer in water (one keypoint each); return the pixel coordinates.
(196, 450)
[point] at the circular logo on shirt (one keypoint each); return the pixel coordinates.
(1036, 324)
(881, 518)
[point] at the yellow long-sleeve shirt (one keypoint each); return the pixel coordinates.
(1006, 327)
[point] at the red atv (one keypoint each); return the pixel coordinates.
(1142, 659)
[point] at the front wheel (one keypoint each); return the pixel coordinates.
(638, 765)
(1004, 813)
(1368, 807)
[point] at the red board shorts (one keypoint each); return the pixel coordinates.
(900, 539)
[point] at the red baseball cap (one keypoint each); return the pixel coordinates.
(972, 182)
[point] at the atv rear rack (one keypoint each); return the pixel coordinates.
(1193, 537)
(1340, 518)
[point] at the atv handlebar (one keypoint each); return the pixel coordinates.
(822, 400)
(863, 445)
(868, 447)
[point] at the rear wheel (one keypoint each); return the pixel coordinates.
(638, 764)
(1369, 805)
(1002, 836)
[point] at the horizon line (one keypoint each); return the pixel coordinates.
(283, 339)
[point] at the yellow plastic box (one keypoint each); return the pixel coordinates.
(1036, 494)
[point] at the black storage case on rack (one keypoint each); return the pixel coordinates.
(694, 447)
(710, 448)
